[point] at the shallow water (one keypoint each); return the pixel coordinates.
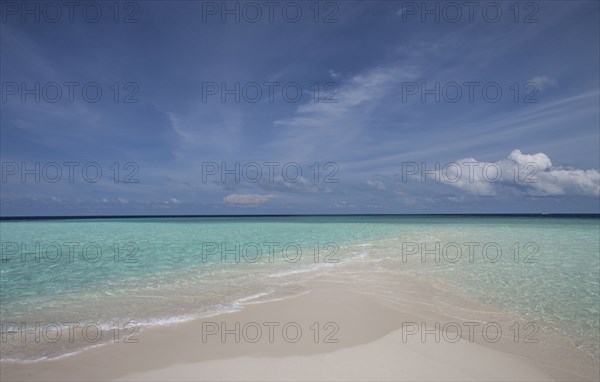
(117, 275)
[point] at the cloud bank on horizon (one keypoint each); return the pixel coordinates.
(378, 110)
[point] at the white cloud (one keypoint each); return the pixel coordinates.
(339, 122)
(468, 175)
(123, 201)
(376, 184)
(281, 183)
(540, 160)
(543, 82)
(567, 182)
(356, 91)
(532, 174)
(248, 199)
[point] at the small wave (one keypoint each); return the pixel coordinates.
(361, 255)
(429, 239)
(310, 268)
(53, 358)
(143, 324)
(254, 297)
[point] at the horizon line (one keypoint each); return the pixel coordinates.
(88, 217)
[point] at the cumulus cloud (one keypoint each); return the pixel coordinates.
(540, 160)
(469, 175)
(567, 182)
(248, 199)
(531, 174)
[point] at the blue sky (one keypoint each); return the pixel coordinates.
(372, 128)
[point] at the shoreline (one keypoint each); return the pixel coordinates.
(371, 321)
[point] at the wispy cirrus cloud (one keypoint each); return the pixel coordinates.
(543, 82)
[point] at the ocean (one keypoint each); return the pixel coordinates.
(115, 275)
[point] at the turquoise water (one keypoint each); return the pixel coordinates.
(165, 270)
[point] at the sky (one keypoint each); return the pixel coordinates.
(212, 107)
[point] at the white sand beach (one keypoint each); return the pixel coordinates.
(366, 339)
